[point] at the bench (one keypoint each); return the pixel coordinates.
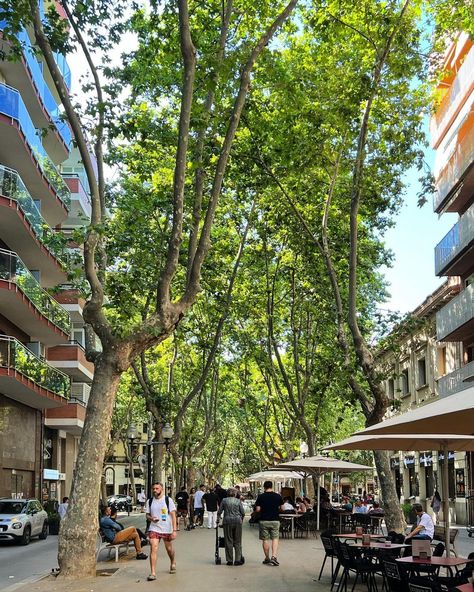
(102, 544)
(439, 536)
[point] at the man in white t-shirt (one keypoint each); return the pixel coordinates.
(198, 505)
(424, 528)
(161, 513)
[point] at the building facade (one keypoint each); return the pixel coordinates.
(452, 136)
(415, 364)
(44, 376)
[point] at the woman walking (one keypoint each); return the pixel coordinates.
(436, 505)
(234, 513)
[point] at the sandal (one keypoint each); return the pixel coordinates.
(151, 578)
(173, 569)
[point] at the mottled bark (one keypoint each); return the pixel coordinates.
(391, 504)
(79, 529)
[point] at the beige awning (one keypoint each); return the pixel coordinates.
(322, 464)
(404, 442)
(450, 415)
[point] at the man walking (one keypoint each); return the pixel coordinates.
(198, 507)
(161, 512)
(212, 502)
(182, 501)
(269, 505)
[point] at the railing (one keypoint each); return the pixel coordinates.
(449, 176)
(12, 269)
(15, 355)
(12, 105)
(456, 313)
(460, 86)
(58, 57)
(455, 241)
(456, 381)
(81, 192)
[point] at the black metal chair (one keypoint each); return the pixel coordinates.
(364, 566)
(394, 577)
(329, 551)
(344, 561)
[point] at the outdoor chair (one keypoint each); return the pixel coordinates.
(312, 524)
(329, 552)
(285, 528)
(344, 561)
(426, 585)
(364, 567)
(361, 520)
(301, 526)
(394, 577)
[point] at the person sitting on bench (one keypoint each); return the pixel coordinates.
(115, 534)
(424, 528)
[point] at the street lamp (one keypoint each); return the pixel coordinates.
(233, 462)
(303, 449)
(133, 438)
(167, 434)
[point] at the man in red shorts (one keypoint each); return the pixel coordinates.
(161, 512)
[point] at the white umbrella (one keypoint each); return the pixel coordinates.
(274, 476)
(363, 441)
(318, 465)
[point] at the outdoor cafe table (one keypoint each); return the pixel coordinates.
(438, 562)
(375, 545)
(292, 518)
(353, 536)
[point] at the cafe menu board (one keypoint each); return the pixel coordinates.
(460, 485)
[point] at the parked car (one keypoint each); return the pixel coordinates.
(21, 519)
(122, 502)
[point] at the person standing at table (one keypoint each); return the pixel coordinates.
(424, 528)
(269, 505)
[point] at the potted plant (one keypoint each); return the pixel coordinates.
(54, 519)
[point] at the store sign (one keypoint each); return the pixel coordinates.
(51, 474)
(409, 461)
(394, 463)
(450, 456)
(460, 485)
(426, 459)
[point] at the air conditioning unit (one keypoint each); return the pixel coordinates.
(80, 391)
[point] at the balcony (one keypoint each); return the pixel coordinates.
(71, 359)
(455, 321)
(456, 381)
(455, 182)
(26, 75)
(24, 229)
(26, 378)
(21, 148)
(80, 211)
(81, 391)
(60, 59)
(69, 418)
(454, 253)
(24, 302)
(454, 99)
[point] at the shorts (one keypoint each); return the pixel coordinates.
(199, 512)
(181, 513)
(269, 529)
(166, 536)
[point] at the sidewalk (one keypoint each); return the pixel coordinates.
(300, 561)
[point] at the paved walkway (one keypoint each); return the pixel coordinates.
(300, 561)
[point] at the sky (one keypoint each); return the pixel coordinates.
(412, 240)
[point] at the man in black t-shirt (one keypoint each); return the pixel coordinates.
(211, 500)
(182, 506)
(269, 505)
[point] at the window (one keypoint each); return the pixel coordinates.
(441, 360)
(391, 388)
(405, 384)
(421, 372)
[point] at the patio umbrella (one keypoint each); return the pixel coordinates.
(362, 441)
(449, 415)
(274, 476)
(318, 465)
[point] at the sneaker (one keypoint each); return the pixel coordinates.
(274, 561)
(266, 561)
(238, 562)
(142, 556)
(230, 563)
(173, 568)
(151, 578)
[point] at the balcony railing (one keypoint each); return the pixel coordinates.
(459, 311)
(77, 188)
(59, 58)
(456, 381)
(16, 356)
(450, 102)
(456, 240)
(12, 186)
(12, 269)
(459, 161)
(12, 105)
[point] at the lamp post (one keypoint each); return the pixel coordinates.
(133, 439)
(167, 434)
(304, 452)
(233, 462)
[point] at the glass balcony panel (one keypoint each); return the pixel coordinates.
(12, 269)
(11, 105)
(455, 242)
(16, 356)
(456, 381)
(458, 312)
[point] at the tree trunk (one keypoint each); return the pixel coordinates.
(77, 540)
(391, 504)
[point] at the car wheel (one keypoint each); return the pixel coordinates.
(26, 538)
(44, 531)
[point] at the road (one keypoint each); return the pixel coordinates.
(22, 564)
